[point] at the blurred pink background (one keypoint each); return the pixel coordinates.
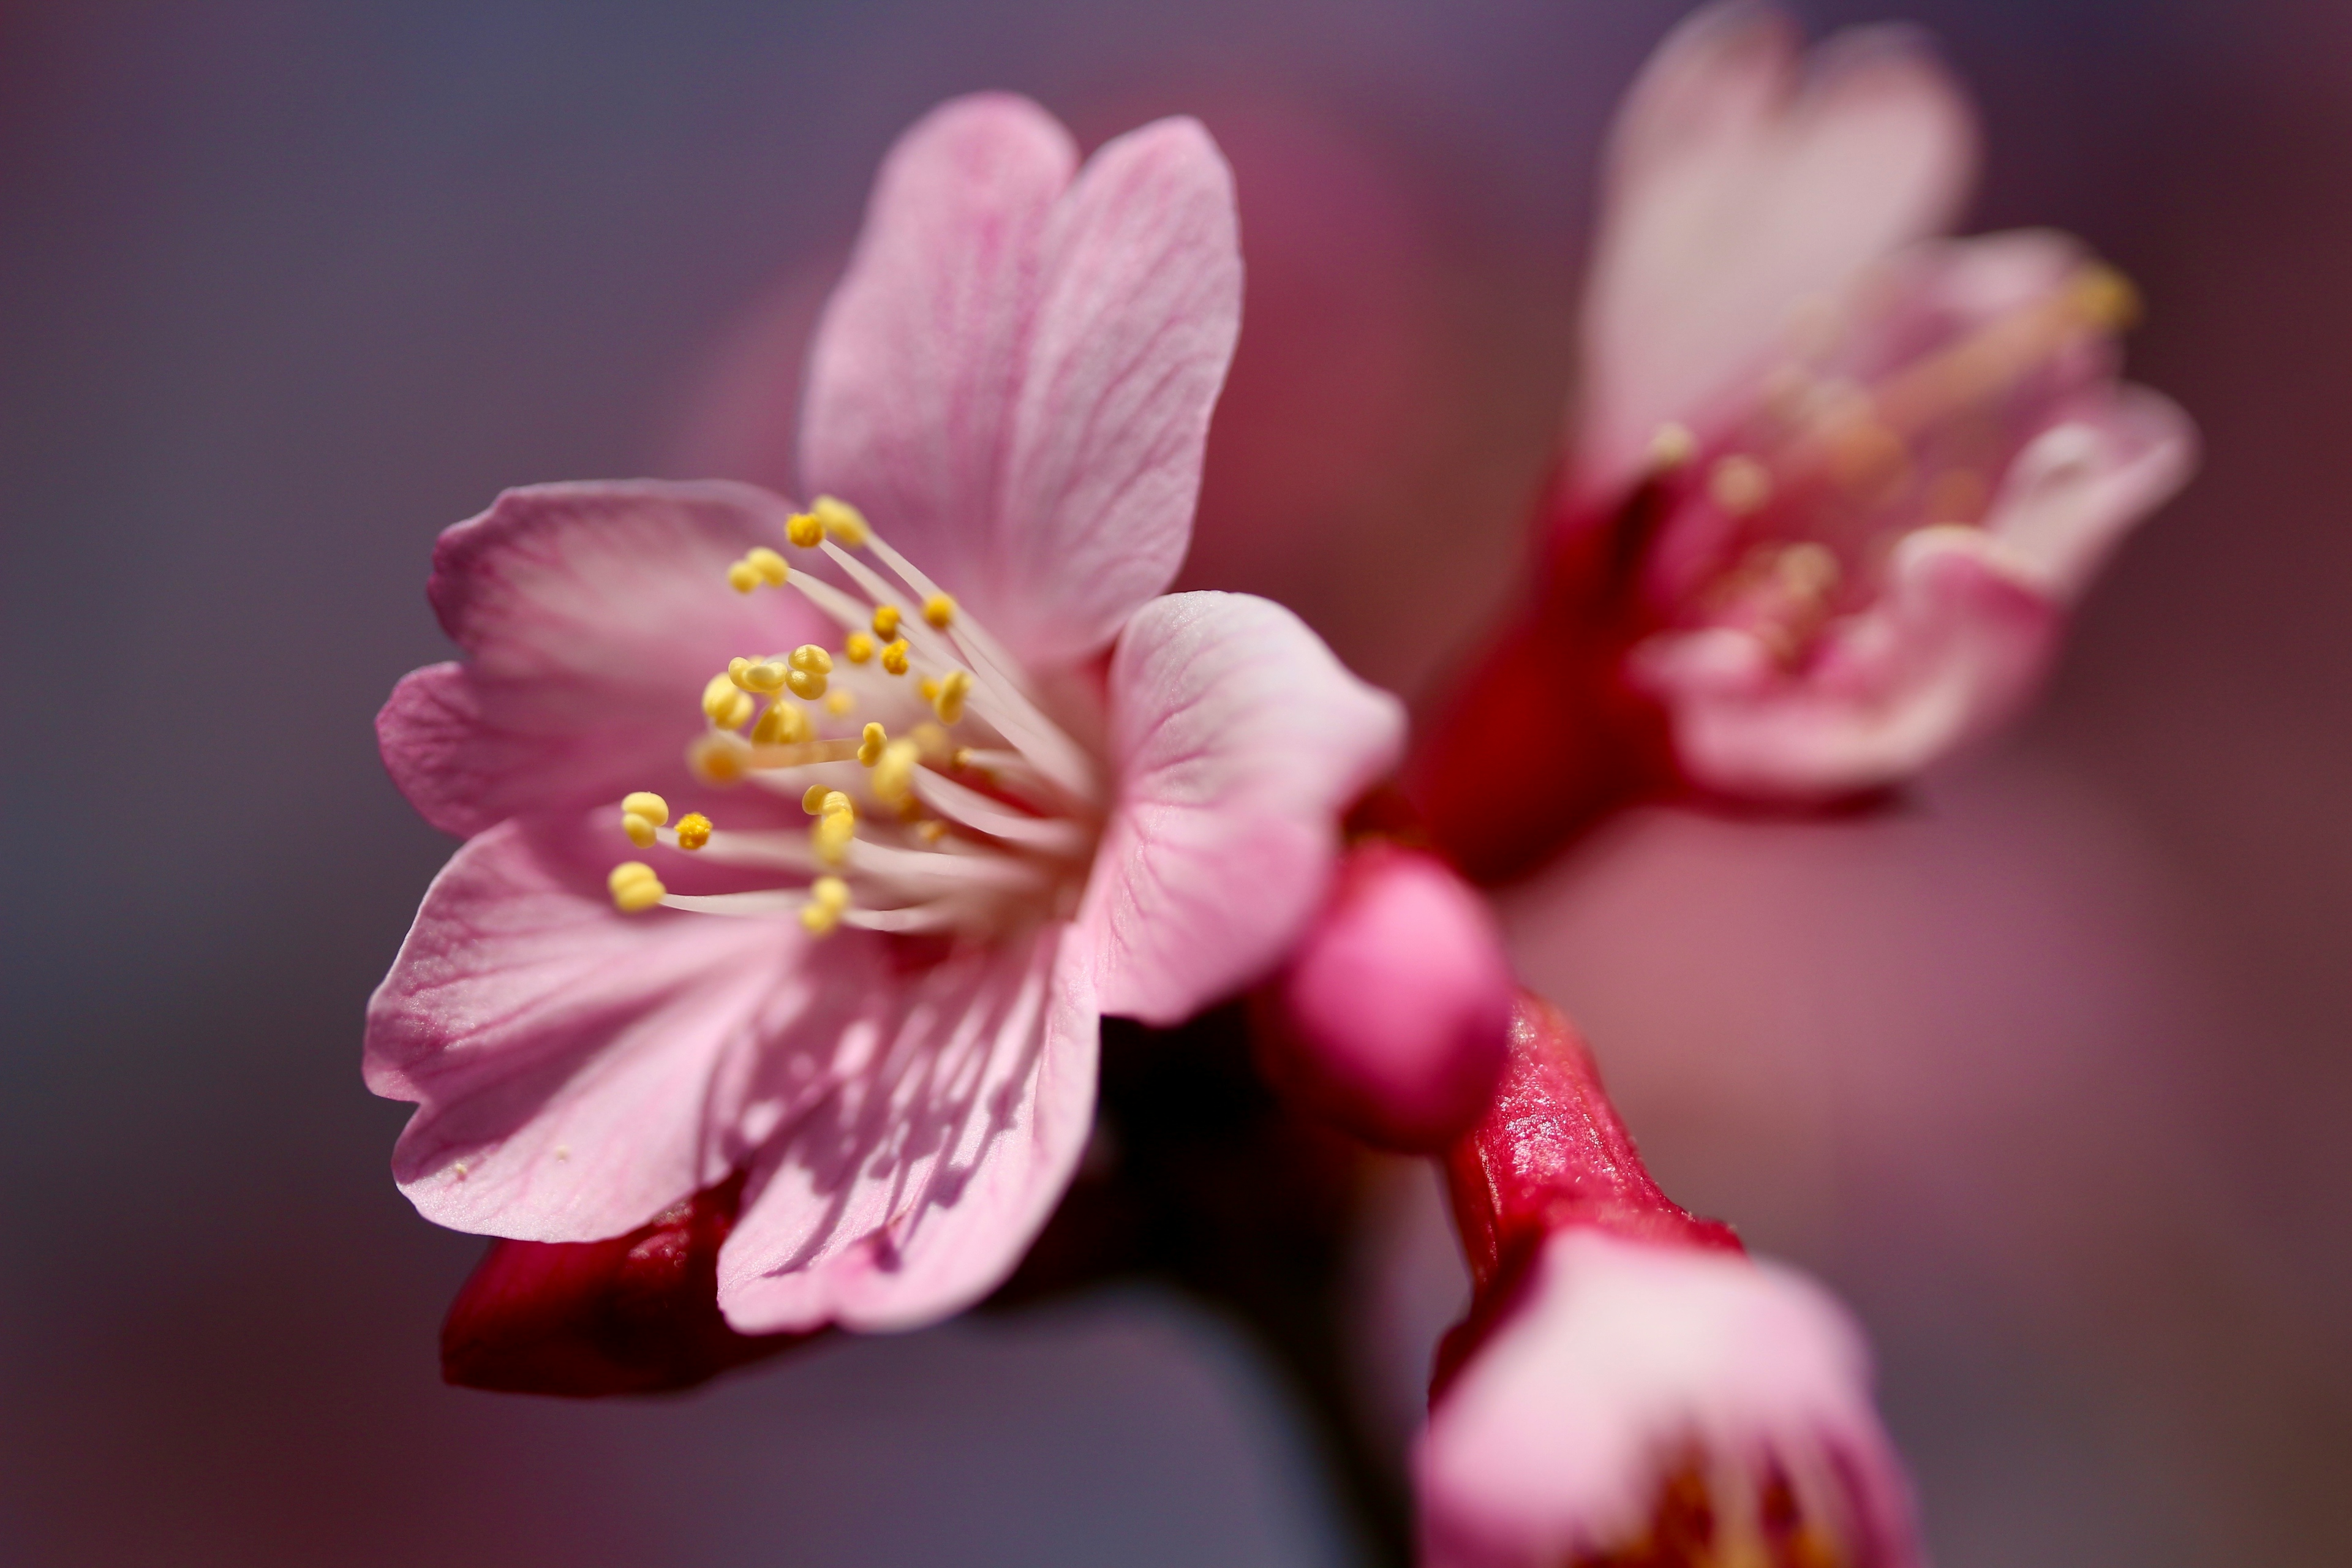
(2047, 1073)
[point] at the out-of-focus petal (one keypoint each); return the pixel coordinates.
(1744, 180)
(1238, 739)
(574, 1069)
(1140, 307)
(1394, 1013)
(920, 358)
(1625, 1361)
(912, 1189)
(593, 615)
(1956, 642)
(2085, 483)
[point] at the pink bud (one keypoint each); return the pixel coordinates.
(1394, 1014)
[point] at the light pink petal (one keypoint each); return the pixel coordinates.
(1557, 1437)
(593, 615)
(1238, 741)
(2082, 485)
(922, 352)
(961, 1103)
(1743, 180)
(1953, 647)
(1141, 306)
(576, 1069)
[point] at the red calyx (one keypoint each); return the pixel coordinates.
(636, 1314)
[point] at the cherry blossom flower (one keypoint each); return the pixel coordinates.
(1832, 483)
(961, 779)
(1630, 1388)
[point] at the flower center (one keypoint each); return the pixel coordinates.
(942, 796)
(1898, 419)
(1724, 1515)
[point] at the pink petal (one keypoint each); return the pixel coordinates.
(593, 614)
(1141, 305)
(1743, 180)
(1013, 379)
(1238, 741)
(1556, 1438)
(577, 1070)
(1953, 647)
(2082, 485)
(912, 1188)
(922, 350)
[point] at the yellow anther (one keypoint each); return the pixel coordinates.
(948, 704)
(960, 758)
(940, 610)
(644, 803)
(808, 687)
(783, 724)
(763, 677)
(634, 887)
(693, 830)
(894, 658)
(803, 529)
(931, 831)
(834, 801)
(719, 757)
(724, 704)
(870, 744)
(2106, 299)
(735, 668)
(810, 659)
(832, 834)
(936, 742)
(894, 771)
(812, 799)
(886, 621)
(1739, 484)
(743, 576)
(928, 688)
(771, 567)
(1671, 447)
(839, 703)
(840, 519)
(828, 897)
(640, 829)
(857, 647)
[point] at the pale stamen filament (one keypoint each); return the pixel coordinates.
(968, 807)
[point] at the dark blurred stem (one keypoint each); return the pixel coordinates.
(1206, 1182)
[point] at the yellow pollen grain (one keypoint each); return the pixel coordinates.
(870, 744)
(812, 799)
(832, 834)
(743, 576)
(640, 829)
(842, 520)
(1671, 447)
(783, 724)
(840, 703)
(723, 704)
(857, 647)
(634, 887)
(1739, 484)
(719, 757)
(939, 611)
(644, 803)
(886, 621)
(894, 771)
(693, 830)
(771, 567)
(828, 897)
(894, 658)
(948, 703)
(804, 530)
